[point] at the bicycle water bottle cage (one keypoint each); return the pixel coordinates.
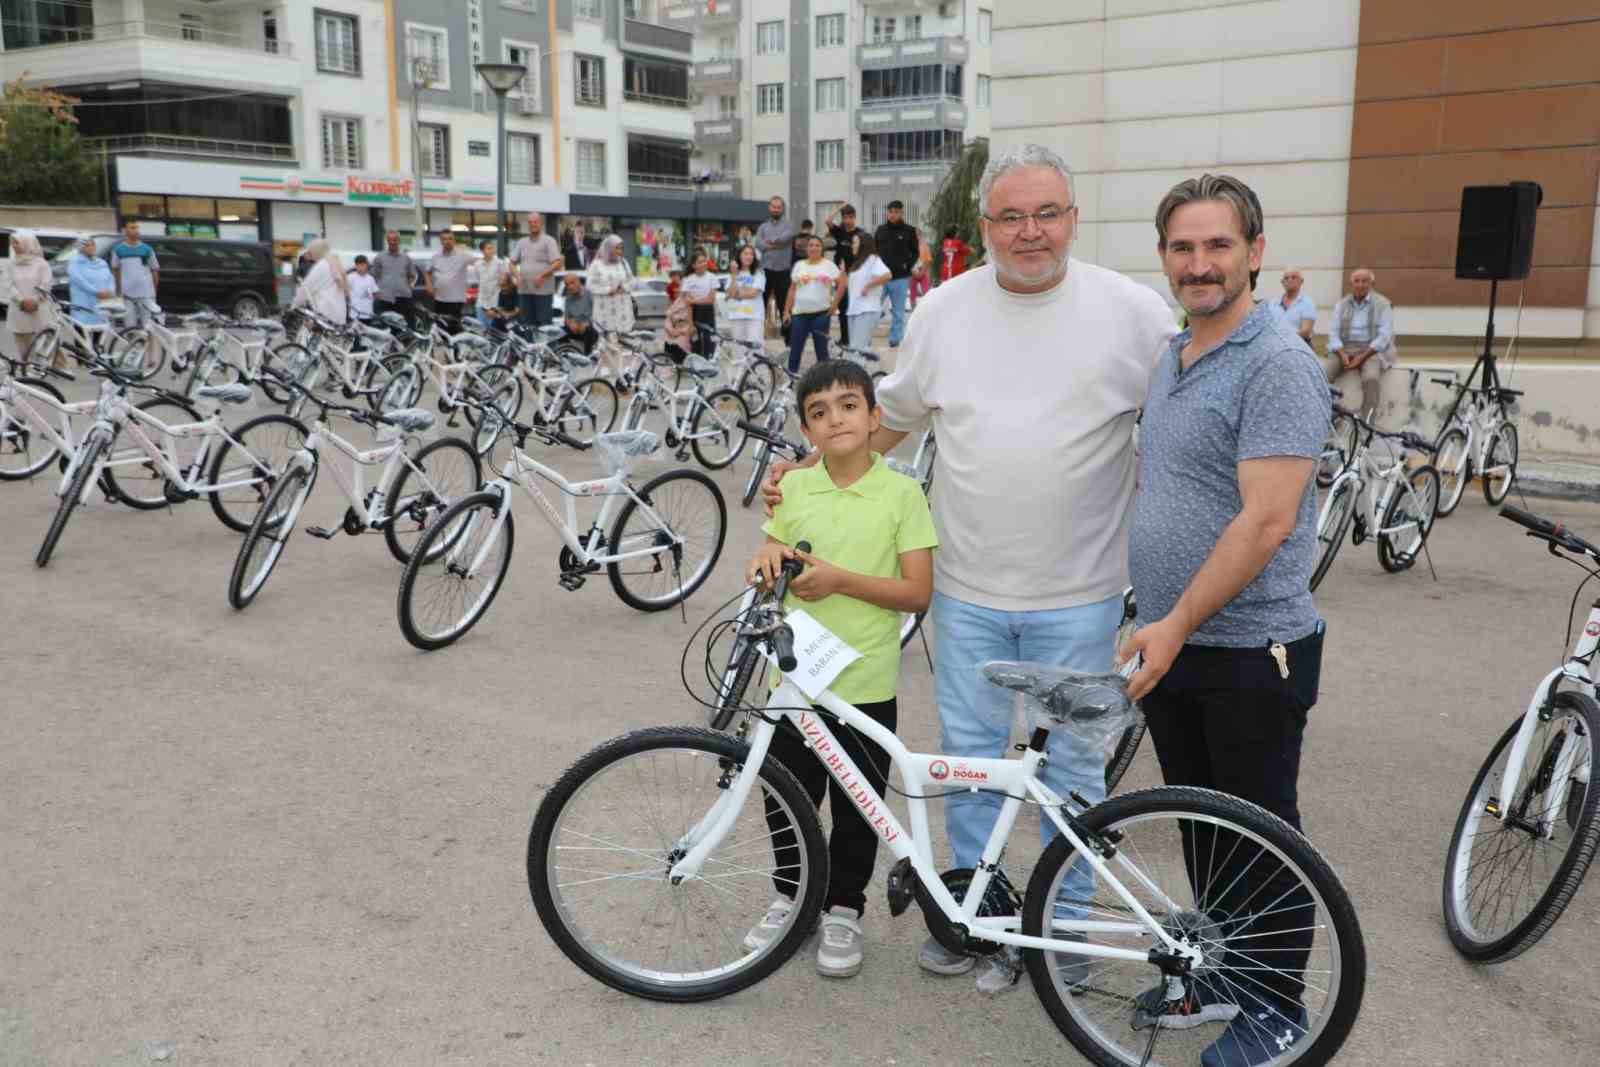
(619, 450)
(701, 368)
(1093, 707)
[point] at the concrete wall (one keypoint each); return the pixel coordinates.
(30, 216)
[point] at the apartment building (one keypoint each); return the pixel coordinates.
(827, 101)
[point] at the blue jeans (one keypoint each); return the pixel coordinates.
(814, 326)
(975, 716)
(537, 308)
(897, 289)
(862, 325)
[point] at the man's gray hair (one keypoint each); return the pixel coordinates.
(1029, 155)
(1218, 187)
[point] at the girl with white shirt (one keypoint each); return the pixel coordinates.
(747, 297)
(867, 279)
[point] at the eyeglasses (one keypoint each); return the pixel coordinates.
(1048, 218)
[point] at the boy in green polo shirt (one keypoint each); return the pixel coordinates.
(871, 560)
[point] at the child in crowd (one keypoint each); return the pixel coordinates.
(700, 287)
(674, 285)
(679, 332)
(868, 276)
(363, 288)
(871, 560)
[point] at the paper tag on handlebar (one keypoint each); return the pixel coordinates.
(820, 653)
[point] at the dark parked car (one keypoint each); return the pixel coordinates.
(234, 277)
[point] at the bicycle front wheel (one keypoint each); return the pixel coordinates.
(589, 411)
(757, 472)
(1332, 524)
(446, 470)
(139, 482)
(1408, 518)
(23, 452)
(1337, 449)
(1283, 956)
(1515, 862)
(87, 462)
(678, 532)
(757, 384)
(268, 535)
(1455, 470)
(715, 436)
(42, 349)
(245, 469)
(1122, 756)
(1500, 464)
(608, 833)
(132, 353)
(442, 594)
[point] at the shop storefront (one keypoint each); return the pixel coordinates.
(659, 233)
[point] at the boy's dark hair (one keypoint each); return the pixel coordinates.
(848, 209)
(360, 260)
(807, 224)
(893, 204)
(950, 232)
(830, 373)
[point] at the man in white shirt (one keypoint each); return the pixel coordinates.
(447, 277)
(1035, 427)
(536, 258)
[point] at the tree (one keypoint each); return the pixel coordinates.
(42, 158)
(956, 202)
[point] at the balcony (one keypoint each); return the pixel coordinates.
(164, 144)
(117, 50)
(714, 75)
(692, 15)
(723, 187)
(926, 113)
(709, 133)
(918, 178)
(649, 39)
(921, 51)
(900, 5)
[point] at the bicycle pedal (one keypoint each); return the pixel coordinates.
(321, 532)
(571, 582)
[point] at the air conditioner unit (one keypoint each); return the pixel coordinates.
(528, 105)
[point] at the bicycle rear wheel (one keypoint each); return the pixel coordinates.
(23, 452)
(268, 535)
(439, 601)
(715, 436)
(589, 411)
(1507, 880)
(1500, 464)
(608, 833)
(266, 444)
(141, 484)
(87, 460)
(1455, 469)
(1284, 960)
(1414, 511)
(1337, 449)
(447, 470)
(42, 349)
(499, 391)
(686, 531)
(757, 384)
(1332, 524)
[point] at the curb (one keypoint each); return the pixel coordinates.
(1558, 486)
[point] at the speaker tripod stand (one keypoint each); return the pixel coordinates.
(1477, 435)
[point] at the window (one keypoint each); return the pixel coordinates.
(269, 32)
(983, 90)
(830, 31)
(985, 25)
(769, 99)
(727, 48)
(527, 57)
(592, 165)
(522, 158)
(658, 162)
(433, 151)
(428, 50)
(830, 155)
(911, 83)
(337, 38)
(341, 143)
(655, 81)
(728, 162)
(769, 38)
(590, 74)
(913, 30)
(587, 9)
(191, 27)
(769, 159)
(882, 28)
(727, 106)
(830, 94)
(826, 208)
(913, 148)
(630, 9)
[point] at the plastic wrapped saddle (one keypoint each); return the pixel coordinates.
(1094, 707)
(618, 451)
(701, 367)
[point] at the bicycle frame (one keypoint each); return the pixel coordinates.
(16, 399)
(1366, 473)
(1018, 779)
(353, 484)
(679, 410)
(119, 414)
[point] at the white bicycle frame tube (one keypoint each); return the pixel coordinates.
(1017, 779)
(208, 430)
(1587, 678)
(353, 484)
(15, 398)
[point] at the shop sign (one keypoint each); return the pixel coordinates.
(392, 192)
(478, 148)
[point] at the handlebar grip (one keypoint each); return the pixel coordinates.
(571, 442)
(783, 645)
(1443, 381)
(1530, 521)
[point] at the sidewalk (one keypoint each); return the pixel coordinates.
(1560, 477)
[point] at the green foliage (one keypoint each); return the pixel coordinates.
(956, 202)
(42, 159)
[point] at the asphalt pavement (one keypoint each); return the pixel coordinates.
(286, 836)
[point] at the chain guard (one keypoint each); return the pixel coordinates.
(1000, 898)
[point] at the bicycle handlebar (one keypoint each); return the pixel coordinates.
(1554, 532)
(782, 635)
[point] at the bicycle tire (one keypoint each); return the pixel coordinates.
(149, 492)
(133, 346)
(1342, 433)
(382, 392)
(1123, 755)
(16, 439)
(753, 486)
(1581, 815)
(1333, 523)
(727, 406)
(655, 493)
(410, 519)
(1194, 810)
(757, 385)
(456, 522)
(702, 752)
(42, 349)
(1454, 465)
(731, 700)
(270, 441)
(1502, 450)
(269, 535)
(589, 410)
(1395, 559)
(92, 447)
(500, 389)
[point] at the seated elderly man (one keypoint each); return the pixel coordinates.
(577, 311)
(1361, 338)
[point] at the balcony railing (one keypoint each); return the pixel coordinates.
(718, 131)
(687, 14)
(651, 39)
(115, 31)
(727, 71)
(905, 164)
(664, 181)
(177, 145)
(654, 98)
(913, 52)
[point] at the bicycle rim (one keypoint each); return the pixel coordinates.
(1331, 527)
(22, 451)
(1500, 464)
(1276, 928)
(591, 410)
(266, 540)
(439, 600)
(693, 516)
(1412, 511)
(1505, 881)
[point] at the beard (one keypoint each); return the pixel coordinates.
(1205, 308)
(1051, 269)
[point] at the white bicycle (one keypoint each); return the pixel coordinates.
(707, 424)
(29, 440)
(1386, 501)
(1531, 823)
(410, 490)
(654, 856)
(1479, 439)
(665, 541)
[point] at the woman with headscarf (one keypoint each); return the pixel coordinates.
(325, 290)
(608, 281)
(29, 312)
(90, 281)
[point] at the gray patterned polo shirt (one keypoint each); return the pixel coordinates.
(1260, 393)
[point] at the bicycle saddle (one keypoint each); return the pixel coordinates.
(1093, 704)
(228, 394)
(395, 321)
(617, 450)
(701, 368)
(411, 420)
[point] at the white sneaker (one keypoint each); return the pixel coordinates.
(1000, 972)
(936, 959)
(839, 951)
(771, 925)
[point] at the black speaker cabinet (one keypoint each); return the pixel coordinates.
(1495, 241)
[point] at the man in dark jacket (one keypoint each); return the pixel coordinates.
(577, 254)
(844, 239)
(898, 245)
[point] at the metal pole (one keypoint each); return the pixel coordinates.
(417, 64)
(500, 175)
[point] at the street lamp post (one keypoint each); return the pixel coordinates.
(501, 78)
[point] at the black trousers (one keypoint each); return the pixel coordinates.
(1225, 719)
(778, 288)
(844, 320)
(853, 844)
(450, 311)
(587, 337)
(403, 306)
(705, 318)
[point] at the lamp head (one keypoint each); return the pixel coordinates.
(501, 77)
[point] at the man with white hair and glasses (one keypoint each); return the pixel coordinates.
(1031, 370)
